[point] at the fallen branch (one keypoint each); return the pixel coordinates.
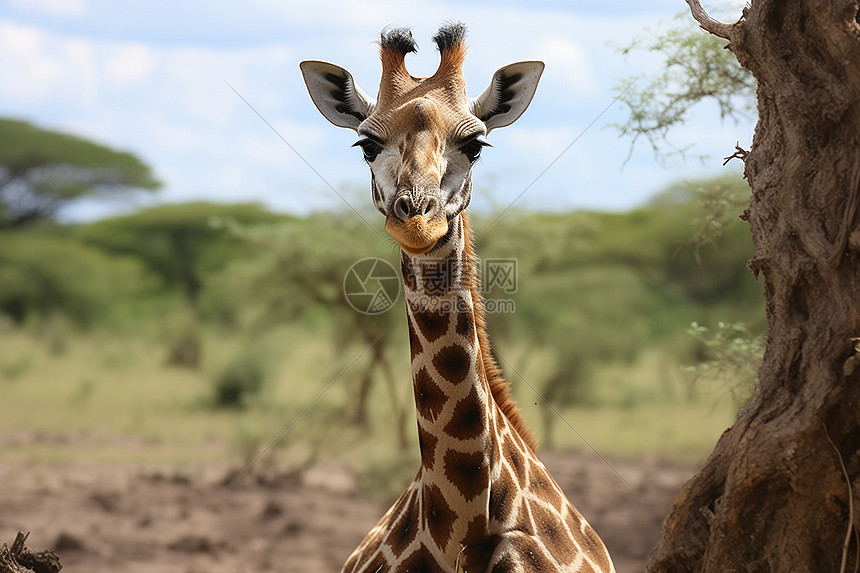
(19, 559)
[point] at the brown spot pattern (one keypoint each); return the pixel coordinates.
(469, 419)
(433, 324)
(554, 497)
(408, 271)
(378, 563)
(593, 546)
(438, 515)
(452, 363)
(574, 520)
(524, 518)
(476, 532)
(415, 347)
(477, 554)
(427, 444)
(502, 497)
(541, 484)
(517, 460)
(468, 472)
(551, 531)
(429, 398)
(505, 565)
(535, 557)
(401, 502)
(465, 322)
(405, 528)
(420, 561)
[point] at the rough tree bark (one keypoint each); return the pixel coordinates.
(774, 495)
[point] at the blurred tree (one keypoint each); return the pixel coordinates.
(566, 386)
(732, 359)
(51, 273)
(179, 243)
(42, 170)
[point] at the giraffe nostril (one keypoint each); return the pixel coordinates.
(402, 208)
(431, 207)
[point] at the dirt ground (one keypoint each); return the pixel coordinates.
(102, 518)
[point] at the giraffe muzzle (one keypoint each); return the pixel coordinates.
(406, 206)
(416, 223)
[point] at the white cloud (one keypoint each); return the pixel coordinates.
(129, 65)
(23, 57)
(567, 63)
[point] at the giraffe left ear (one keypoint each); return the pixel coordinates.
(508, 95)
(335, 93)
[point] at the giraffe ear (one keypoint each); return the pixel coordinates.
(335, 93)
(508, 95)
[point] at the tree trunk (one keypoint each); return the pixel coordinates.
(359, 411)
(774, 495)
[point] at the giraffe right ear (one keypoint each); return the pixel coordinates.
(335, 93)
(508, 95)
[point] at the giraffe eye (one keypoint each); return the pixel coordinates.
(472, 148)
(369, 147)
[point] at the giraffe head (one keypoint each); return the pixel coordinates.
(421, 136)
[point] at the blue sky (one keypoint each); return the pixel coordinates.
(150, 78)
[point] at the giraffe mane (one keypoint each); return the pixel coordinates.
(499, 387)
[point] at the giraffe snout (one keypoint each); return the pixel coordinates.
(416, 221)
(407, 205)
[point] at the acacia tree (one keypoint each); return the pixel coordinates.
(779, 491)
(42, 170)
(179, 243)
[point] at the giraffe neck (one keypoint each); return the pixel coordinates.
(481, 499)
(457, 415)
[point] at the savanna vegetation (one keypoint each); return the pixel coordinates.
(203, 331)
(42, 170)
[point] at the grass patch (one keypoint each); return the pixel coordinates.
(114, 399)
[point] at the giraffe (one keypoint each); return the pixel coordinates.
(481, 500)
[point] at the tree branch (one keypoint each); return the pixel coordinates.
(707, 23)
(740, 153)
